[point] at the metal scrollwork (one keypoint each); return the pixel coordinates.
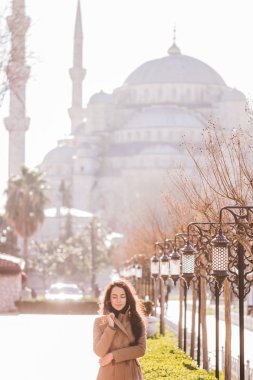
(241, 231)
(233, 272)
(203, 259)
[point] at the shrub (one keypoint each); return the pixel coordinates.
(163, 360)
(148, 307)
(56, 307)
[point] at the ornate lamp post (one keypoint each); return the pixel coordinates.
(133, 271)
(188, 261)
(155, 271)
(206, 232)
(164, 274)
(237, 261)
(161, 267)
(219, 271)
(3, 237)
(139, 271)
(175, 265)
(138, 274)
(220, 257)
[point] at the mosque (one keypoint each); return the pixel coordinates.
(123, 146)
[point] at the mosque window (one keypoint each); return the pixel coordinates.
(159, 134)
(201, 95)
(133, 96)
(146, 95)
(160, 94)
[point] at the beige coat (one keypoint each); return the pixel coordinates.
(125, 365)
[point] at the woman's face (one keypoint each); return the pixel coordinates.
(118, 298)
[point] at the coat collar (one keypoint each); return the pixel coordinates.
(120, 325)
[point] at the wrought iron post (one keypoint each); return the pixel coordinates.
(199, 321)
(240, 263)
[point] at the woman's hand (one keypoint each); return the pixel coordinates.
(106, 359)
(110, 319)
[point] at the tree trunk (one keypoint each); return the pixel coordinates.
(203, 323)
(228, 331)
(162, 299)
(194, 294)
(25, 249)
(181, 295)
(155, 295)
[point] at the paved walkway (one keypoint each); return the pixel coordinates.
(59, 347)
(47, 347)
(173, 316)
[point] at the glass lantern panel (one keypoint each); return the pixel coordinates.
(174, 267)
(188, 262)
(155, 267)
(165, 268)
(220, 259)
(139, 272)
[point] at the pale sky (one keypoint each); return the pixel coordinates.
(120, 35)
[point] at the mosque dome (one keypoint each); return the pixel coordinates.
(174, 68)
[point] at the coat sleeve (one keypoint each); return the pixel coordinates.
(132, 352)
(102, 338)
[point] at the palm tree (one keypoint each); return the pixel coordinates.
(26, 201)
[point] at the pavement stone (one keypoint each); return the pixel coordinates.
(47, 347)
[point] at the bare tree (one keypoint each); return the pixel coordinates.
(223, 176)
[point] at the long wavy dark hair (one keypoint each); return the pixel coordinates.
(136, 313)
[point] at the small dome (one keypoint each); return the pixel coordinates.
(100, 98)
(61, 154)
(159, 116)
(231, 94)
(79, 129)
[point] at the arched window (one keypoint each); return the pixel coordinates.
(160, 94)
(188, 94)
(146, 95)
(133, 96)
(159, 134)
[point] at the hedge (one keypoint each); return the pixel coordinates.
(56, 307)
(163, 360)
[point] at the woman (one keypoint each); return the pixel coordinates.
(119, 335)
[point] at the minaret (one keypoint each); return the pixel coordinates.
(77, 74)
(17, 72)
